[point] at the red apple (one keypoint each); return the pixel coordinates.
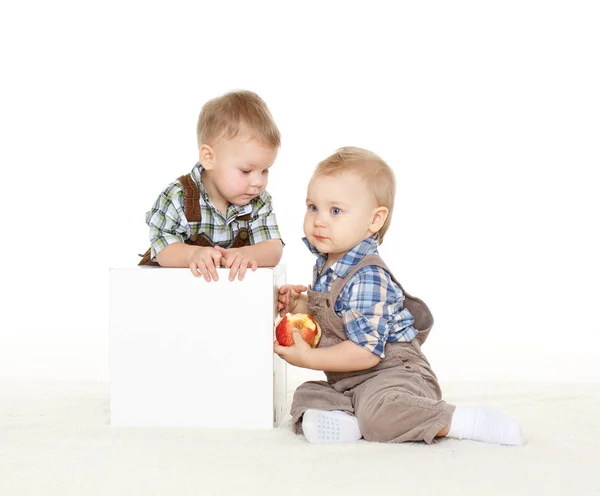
(308, 327)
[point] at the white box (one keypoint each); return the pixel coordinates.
(187, 353)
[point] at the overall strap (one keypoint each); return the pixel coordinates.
(340, 282)
(191, 198)
(417, 307)
(191, 209)
(242, 238)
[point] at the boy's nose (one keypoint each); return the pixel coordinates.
(256, 181)
(319, 221)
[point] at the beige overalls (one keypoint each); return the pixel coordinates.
(396, 401)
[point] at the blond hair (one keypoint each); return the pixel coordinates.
(227, 116)
(377, 175)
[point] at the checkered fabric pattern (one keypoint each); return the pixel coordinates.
(370, 304)
(168, 224)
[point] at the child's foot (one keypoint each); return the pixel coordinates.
(320, 426)
(485, 425)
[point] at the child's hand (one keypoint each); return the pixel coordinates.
(294, 355)
(204, 262)
(288, 298)
(234, 259)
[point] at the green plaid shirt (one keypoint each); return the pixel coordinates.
(168, 223)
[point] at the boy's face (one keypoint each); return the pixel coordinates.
(340, 213)
(239, 169)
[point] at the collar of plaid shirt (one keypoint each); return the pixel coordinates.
(233, 211)
(349, 260)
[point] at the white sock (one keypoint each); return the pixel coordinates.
(320, 426)
(483, 424)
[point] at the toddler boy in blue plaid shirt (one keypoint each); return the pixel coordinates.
(238, 142)
(379, 384)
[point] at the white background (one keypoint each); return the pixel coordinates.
(487, 111)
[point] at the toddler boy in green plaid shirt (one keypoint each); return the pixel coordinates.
(238, 142)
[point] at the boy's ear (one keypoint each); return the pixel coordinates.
(207, 156)
(379, 216)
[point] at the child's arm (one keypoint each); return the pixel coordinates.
(366, 318)
(263, 254)
(343, 357)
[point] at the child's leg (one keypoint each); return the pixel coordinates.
(323, 414)
(398, 405)
(483, 424)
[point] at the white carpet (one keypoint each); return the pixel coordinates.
(55, 439)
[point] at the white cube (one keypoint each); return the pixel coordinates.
(187, 353)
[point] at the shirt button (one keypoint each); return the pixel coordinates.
(244, 234)
(194, 238)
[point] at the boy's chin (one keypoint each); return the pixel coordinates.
(320, 245)
(242, 201)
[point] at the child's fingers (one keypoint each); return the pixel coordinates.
(280, 350)
(299, 288)
(282, 307)
(230, 260)
(244, 266)
(235, 266)
(216, 258)
(219, 255)
(210, 270)
(199, 269)
(297, 338)
(194, 270)
(242, 269)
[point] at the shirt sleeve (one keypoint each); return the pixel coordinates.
(367, 302)
(263, 225)
(166, 219)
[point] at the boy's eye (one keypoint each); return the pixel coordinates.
(312, 208)
(266, 171)
(336, 211)
(245, 171)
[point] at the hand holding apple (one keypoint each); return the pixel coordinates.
(306, 325)
(297, 335)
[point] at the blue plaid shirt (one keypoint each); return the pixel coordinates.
(370, 304)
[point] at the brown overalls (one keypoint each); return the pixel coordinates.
(399, 399)
(191, 208)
